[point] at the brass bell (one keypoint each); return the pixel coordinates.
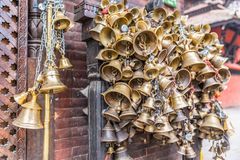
(178, 101)
(206, 28)
(117, 21)
(136, 99)
(111, 114)
(158, 14)
(100, 20)
(208, 39)
(173, 138)
(211, 123)
(167, 108)
(30, 115)
(174, 60)
(149, 103)
(137, 80)
(180, 117)
(121, 154)
(167, 25)
(138, 124)
(141, 25)
(149, 128)
(167, 41)
(151, 119)
(196, 37)
(112, 72)
(136, 64)
(143, 118)
(159, 32)
(218, 61)
(145, 89)
(95, 32)
(124, 123)
(145, 42)
(206, 73)
(118, 96)
(112, 9)
(108, 36)
(166, 128)
(159, 123)
(191, 59)
(228, 127)
(224, 74)
(190, 152)
(129, 17)
(121, 134)
(127, 72)
(52, 82)
(21, 98)
(107, 54)
(61, 22)
(182, 79)
(64, 63)
(165, 83)
(150, 71)
(104, 3)
(205, 98)
(108, 133)
(124, 46)
(128, 114)
(210, 84)
(120, 7)
(135, 12)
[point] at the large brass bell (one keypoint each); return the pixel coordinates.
(108, 133)
(145, 42)
(211, 124)
(61, 22)
(111, 114)
(64, 63)
(137, 80)
(182, 79)
(210, 84)
(124, 46)
(145, 89)
(206, 73)
(112, 72)
(218, 61)
(158, 14)
(191, 60)
(108, 36)
(178, 101)
(150, 71)
(121, 154)
(21, 98)
(95, 32)
(52, 82)
(121, 134)
(107, 54)
(117, 21)
(30, 115)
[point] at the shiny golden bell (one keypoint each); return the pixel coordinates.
(122, 135)
(108, 36)
(30, 115)
(211, 123)
(112, 72)
(150, 71)
(137, 80)
(52, 82)
(21, 97)
(182, 79)
(145, 89)
(112, 9)
(95, 32)
(192, 60)
(107, 54)
(61, 22)
(178, 101)
(158, 14)
(64, 63)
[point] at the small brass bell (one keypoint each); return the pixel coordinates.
(210, 85)
(167, 108)
(124, 123)
(167, 26)
(124, 46)
(159, 32)
(30, 115)
(129, 16)
(173, 138)
(178, 101)
(107, 54)
(64, 63)
(111, 114)
(228, 127)
(196, 37)
(158, 14)
(141, 25)
(205, 98)
(190, 152)
(121, 134)
(137, 80)
(166, 128)
(112, 9)
(192, 60)
(180, 117)
(174, 60)
(149, 128)
(183, 79)
(206, 73)
(167, 41)
(149, 103)
(61, 22)
(145, 89)
(150, 71)
(159, 123)
(128, 114)
(138, 124)
(135, 12)
(95, 32)
(112, 72)
(52, 82)
(136, 99)
(127, 72)
(218, 61)
(165, 83)
(104, 3)
(136, 64)
(108, 36)
(121, 154)
(21, 98)
(224, 74)
(108, 133)
(211, 123)
(143, 118)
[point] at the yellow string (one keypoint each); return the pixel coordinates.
(201, 155)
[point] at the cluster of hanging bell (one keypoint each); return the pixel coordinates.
(47, 81)
(165, 77)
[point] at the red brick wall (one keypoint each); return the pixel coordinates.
(71, 126)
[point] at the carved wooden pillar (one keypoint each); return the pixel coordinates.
(84, 13)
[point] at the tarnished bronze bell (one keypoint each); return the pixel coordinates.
(127, 73)
(150, 71)
(137, 80)
(121, 134)
(143, 118)
(95, 32)
(180, 117)
(192, 60)
(149, 128)
(108, 36)
(118, 96)
(178, 101)
(165, 82)
(210, 84)
(111, 114)
(108, 133)
(136, 99)
(182, 79)
(136, 64)
(21, 98)
(145, 89)
(174, 60)
(211, 123)
(121, 154)
(145, 42)
(218, 61)
(52, 81)
(205, 98)
(124, 46)
(138, 124)
(30, 115)
(158, 14)
(64, 63)
(112, 72)
(128, 114)
(61, 22)
(107, 54)
(224, 74)
(206, 73)
(149, 103)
